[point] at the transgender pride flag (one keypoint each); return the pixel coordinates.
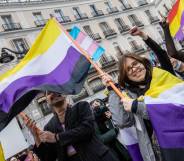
(53, 63)
(86, 43)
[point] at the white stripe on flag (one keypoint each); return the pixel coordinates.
(128, 136)
(86, 42)
(56, 53)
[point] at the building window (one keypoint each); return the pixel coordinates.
(133, 44)
(96, 12)
(118, 49)
(125, 4)
(39, 20)
(9, 24)
(111, 9)
(59, 13)
(122, 27)
(135, 21)
(108, 32)
(151, 18)
(78, 15)
(142, 2)
(61, 17)
(20, 45)
(88, 30)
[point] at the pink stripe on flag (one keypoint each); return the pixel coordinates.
(92, 48)
(80, 37)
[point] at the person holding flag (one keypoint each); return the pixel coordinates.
(70, 134)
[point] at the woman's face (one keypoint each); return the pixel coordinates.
(135, 70)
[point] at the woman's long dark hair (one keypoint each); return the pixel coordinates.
(123, 78)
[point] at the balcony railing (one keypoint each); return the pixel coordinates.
(138, 49)
(96, 36)
(137, 23)
(109, 33)
(127, 7)
(154, 19)
(109, 60)
(142, 2)
(64, 19)
(41, 23)
(11, 26)
(81, 16)
(112, 10)
(97, 13)
(123, 29)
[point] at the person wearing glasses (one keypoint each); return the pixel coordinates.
(135, 76)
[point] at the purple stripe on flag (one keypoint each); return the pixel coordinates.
(180, 33)
(134, 152)
(168, 123)
(60, 75)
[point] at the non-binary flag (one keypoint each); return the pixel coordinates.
(176, 20)
(53, 63)
(165, 105)
(87, 43)
(2, 158)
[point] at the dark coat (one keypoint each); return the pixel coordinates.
(79, 132)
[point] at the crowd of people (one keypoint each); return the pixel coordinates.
(88, 131)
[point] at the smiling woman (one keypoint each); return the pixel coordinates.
(134, 70)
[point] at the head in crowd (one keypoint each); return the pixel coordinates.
(58, 103)
(134, 70)
(99, 108)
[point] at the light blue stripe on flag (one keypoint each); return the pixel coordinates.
(74, 32)
(98, 53)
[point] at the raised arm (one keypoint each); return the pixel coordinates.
(160, 53)
(171, 49)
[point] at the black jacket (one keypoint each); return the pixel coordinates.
(79, 132)
(161, 54)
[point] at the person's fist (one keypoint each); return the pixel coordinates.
(127, 104)
(47, 137)
(106, 78)
(135, 31)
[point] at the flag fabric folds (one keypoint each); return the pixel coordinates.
(53, 63)
(128, 137)
(2, 158)
(88, 44)
(176, 20)
(165, 106)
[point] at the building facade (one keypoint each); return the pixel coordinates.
(106, 21)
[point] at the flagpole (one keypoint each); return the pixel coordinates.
(99, 70)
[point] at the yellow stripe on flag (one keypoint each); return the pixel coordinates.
(2, 158)
(176, 23)
(40, 46)
(161, 81)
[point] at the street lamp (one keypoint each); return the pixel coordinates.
(6, 57)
